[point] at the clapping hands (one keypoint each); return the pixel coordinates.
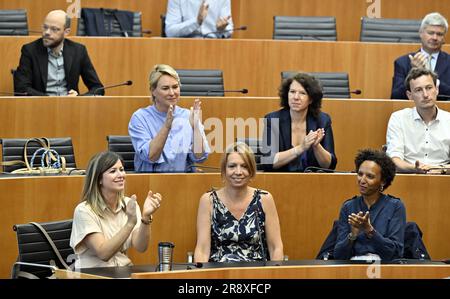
(313, 138)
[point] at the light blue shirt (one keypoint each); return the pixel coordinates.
(434, 58)
(177, 154)
(181, 19)
(56, 75)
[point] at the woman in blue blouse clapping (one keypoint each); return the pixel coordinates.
(372, 225)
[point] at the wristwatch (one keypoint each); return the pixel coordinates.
(370, 233)
(147, 222)
(352, 237)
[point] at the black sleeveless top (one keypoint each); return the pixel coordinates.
(238, 240)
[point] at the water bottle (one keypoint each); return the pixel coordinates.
(165, 254)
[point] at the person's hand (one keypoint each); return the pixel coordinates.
(309, 140)
(196, 113)
(422, 168)
(320, 134)
(72, 93)
(222, 23)
(202, 12)
(131, 210)
(360, 221)
(418, 60)
(169, 118)
(151, 204)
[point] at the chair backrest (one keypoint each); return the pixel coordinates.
(390, 30)
(122, 146)
(115, 29)
(414, 246)
(12, 149)
(201, 82)
(304, 28)
(326, 252)
(34, 247)
(163, 25)
(13, 22)
(256, 145)
(334, 84)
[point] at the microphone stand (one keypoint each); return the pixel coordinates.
(198, 168)
(442, 170)
(315, 169)
(14, 93)
(244, 91)
(189, 266)
(223, 31)
(129, 82)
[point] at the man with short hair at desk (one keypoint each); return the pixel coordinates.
(418, 139)
(432, 34)
(199, 18)
(52, 65)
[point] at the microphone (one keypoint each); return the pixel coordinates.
(356, 91)
(198, 168)
(223, 31)
(129, 82)
(189, 265)
(407, 40)
(311, 37)
(243, 91)
(16, 31)
(126, 32)
(310, 169)
(440, 170)
(14, 93)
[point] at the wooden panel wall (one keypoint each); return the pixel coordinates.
(84, 120)
(38, 9)
(252, 64)
(89, 120)
(256, 14)
(306, 213)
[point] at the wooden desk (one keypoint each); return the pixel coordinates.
(256, 14)
(252, 64)
(307, 205)
(304, 269)
(357, 124)
(308, 272)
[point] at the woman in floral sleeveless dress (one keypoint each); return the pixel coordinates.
(237, 222)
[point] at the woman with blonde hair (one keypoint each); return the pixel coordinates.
(106, 222)
(166, 137)
(237, 222)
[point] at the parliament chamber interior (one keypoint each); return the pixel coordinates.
(252, 59)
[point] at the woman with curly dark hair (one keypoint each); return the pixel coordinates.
(299, 135)
(372, 225)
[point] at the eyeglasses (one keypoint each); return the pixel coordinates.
(53, 29)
